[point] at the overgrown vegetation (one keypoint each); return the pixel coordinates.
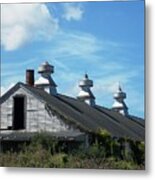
(104, 153)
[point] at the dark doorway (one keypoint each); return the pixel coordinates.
(18, 117)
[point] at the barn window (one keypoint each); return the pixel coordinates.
(19, 113)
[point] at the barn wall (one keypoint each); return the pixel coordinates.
(37, 117)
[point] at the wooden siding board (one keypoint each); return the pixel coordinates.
(37, 117)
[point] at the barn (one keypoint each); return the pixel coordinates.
(36, 106)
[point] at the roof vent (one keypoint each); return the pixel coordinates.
(119, 104)
(85, 93)
(45, 81)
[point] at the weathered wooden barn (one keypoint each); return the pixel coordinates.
(36, 106)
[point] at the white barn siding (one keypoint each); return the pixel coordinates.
(37, 118)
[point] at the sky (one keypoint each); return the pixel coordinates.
(103, 39)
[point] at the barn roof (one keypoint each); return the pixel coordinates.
(87, 118)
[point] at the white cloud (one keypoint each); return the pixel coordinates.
(21, 23)
(5, 89)
(109, 84)
(85, 52)
(73, 11)
(73, 45)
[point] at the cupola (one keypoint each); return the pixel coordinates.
(45, 81)
(119, 104)
(85, 93)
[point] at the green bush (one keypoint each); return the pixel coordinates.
(46, 141)
(43, 151)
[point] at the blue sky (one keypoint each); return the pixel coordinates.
(104, 39)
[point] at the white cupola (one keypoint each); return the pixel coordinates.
(85, 93)
(45, 81)
(119, 104)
